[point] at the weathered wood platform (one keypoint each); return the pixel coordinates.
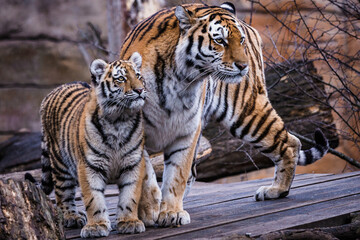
(225, 210)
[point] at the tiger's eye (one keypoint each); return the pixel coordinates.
(121, 79)
(242, 39)
(138, 75)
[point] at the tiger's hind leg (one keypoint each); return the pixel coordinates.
(149, 206)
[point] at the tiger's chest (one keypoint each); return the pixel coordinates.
(170, 112)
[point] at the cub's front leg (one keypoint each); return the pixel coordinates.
(92, 182)
(130, 185)
(178, 159)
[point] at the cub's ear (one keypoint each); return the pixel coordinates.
(185, 17)
(229, 6)
(137, 59)
(97, 69)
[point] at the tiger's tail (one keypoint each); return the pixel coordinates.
(47, 184)
(315, 153)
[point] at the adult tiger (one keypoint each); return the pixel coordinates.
(200, 62)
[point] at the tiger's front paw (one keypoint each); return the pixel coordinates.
(149, 207)
(270, 192)
(75, 219)
(95, 230)
(134, 226)
(170, 218)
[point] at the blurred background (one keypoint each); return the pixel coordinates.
(311, 49)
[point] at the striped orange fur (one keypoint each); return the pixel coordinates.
(201, 63)
(93, 135)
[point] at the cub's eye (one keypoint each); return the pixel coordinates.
(242, 39)
(121, 79)
(138, 75)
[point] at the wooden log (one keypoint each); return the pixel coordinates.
(27, 213)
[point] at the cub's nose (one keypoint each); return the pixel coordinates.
(139, 90)
(241, 66)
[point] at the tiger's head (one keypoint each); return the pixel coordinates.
(212, 42)
(119, 85)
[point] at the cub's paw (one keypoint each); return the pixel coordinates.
(270, 192)
(135, 226)
(95, 230)
(170, 218)
(75, 219)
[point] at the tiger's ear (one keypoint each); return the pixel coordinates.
(229, 6)
(137, 59)
(185, 17)
(97, 69)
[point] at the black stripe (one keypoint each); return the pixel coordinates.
(64, 188)
(265, 132)
(244, 91)
(159, 71)
(236, 94)
(167, 156)
(128, 168)
(162, 27)
(309, 157)
(102, 190)
(200, 42)
(68, 199)
(133, 149)
(272, 148)
(246, 110)
(121, 186)
(95, 151)
(95, 121)
(147, 120)
(262, 121)
(97, 212)
(137, 30)
(133, 129)
(96, 169)
(220, 96)
(246, 129)
(89, 204)
(223, 114)
(103, 90)
(279, 133)
(189, 46)
(128, 208)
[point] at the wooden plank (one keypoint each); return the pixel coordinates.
(227, 192)
(211, 215)
(277, 221)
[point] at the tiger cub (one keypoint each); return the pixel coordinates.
(93, 135)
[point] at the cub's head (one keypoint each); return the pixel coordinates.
(119, 85)
(212, 42)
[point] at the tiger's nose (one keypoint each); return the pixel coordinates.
(138, 90)
(241, 66)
